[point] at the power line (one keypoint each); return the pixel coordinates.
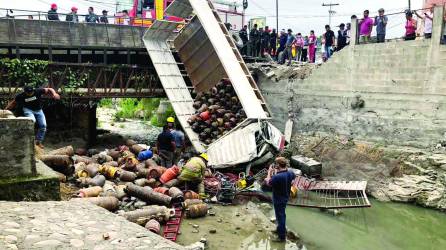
(330, 11)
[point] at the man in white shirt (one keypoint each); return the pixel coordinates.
(427, 17)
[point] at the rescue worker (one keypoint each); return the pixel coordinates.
(72, 17)
(30, 101)
(280, 180)
(91, 17)
(194, 172)
(171, 122)
(52, 13)
(166, 147)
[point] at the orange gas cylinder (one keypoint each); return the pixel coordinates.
(189, 194)
(170, 174)
(162, 190)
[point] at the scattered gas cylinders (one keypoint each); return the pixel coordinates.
(189, 194)
(189, 202)
(153, 226)
(170, 174)
(197, 210)
(108, 171)
(90, 192)
(109, 203)
(176, 194)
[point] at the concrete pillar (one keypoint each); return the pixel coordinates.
(437, 26)
(354, 32)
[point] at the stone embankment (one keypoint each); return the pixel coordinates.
(71, 225)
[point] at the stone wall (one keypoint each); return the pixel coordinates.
(17, 147)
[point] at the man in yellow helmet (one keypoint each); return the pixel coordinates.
(193, 171)
(171, 122)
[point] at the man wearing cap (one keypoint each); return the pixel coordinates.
(280, 180)
(342, 37)
(381, 23)
(52, 13)
(104, 18)
(282, 43)
(72, 17)
(30, 101)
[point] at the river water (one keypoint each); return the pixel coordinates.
(383, 226)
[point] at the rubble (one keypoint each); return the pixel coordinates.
(277, 72)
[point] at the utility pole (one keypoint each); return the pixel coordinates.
(330, 11)
(277, 15)
(409, 5)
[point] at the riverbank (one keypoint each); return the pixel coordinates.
(398, 174)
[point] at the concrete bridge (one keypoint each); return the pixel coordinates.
(114, 57)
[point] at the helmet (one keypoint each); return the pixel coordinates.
(53, 6)
(74, 8)
(204, 156)
(171, 119)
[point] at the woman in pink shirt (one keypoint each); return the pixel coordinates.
(299, 43)
(312, 46)
(411, 27)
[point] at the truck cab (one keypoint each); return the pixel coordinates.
(143, 12)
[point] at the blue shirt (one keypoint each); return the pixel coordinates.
(283, 39)
(281, 185)
(380, 27)
(290, 39)
(178, 136)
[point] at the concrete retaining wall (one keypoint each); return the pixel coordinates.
(401, 84)
(17, 147)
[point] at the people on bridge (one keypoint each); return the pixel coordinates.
(243, 33)
(312, 40)
(329, 38)
(72, 17)
(280, 179)
(365, 28)
(165, 144)
(381, 23)
(30, 102)
(254, 40)
(273, 42)
(428, 18)
(342, 37)
(411, 26)
(91, 17)
(52, 13)
(104, 18)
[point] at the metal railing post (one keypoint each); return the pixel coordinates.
(354, 38)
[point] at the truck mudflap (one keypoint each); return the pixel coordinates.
(245, 144)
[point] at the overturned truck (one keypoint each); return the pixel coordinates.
(210, 56)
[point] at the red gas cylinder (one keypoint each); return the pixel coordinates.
(162, 190)
(170, 174)
(206, 115)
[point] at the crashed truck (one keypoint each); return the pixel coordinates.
(209, 55)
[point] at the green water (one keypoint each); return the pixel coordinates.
(383, 226)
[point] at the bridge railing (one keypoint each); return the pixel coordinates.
(88, 81)
(32, 28)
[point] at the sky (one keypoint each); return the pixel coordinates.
(299, 15)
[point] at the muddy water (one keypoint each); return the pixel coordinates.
(384, 226)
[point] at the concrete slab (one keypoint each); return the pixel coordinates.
(42, 187)
(71, 225)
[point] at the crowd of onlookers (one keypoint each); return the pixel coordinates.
(91, 17)
(261, 42)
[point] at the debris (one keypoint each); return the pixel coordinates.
(213, 231)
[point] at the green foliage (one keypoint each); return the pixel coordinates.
(106, 103)
(24, 72)
(74, 80)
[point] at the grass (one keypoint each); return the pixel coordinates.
(145, 108)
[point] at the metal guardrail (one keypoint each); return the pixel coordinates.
(22, 30)
(96, 81)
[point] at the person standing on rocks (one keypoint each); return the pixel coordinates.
(254, 41)
(312, 47)
(30, 101)
(165, 144)
(280, 179)
(329, 38)
(282, 44)
(288, 47)
(243, 33)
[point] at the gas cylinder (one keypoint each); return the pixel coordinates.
(197, 210)
(170, 174)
